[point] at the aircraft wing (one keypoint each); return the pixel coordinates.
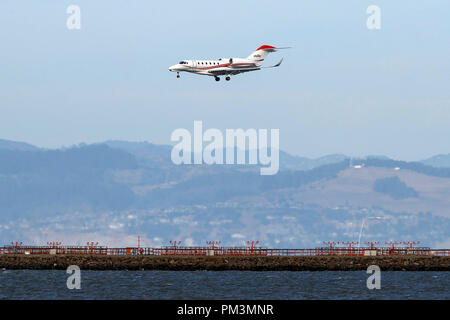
(233, 71)
(229, 71)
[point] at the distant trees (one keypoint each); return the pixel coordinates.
(63, 179)
(394, 188)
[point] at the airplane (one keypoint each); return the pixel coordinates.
(227, 67)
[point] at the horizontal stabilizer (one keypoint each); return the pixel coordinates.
(276, 65)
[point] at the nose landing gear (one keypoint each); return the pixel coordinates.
(217, 78)
(178, 74)
(227, 78)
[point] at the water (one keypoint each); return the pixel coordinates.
(51, 284)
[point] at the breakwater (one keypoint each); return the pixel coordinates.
(223, 263)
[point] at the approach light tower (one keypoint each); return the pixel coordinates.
(252, 244)
(213, 243)
(53, 244)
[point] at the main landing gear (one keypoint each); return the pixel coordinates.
(178, 74)
(226, 78)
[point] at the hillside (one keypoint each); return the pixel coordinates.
(18, 146)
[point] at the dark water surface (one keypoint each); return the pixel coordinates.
(51, 284)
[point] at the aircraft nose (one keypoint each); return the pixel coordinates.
(172, 68)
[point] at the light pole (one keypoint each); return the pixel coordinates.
(362, 226)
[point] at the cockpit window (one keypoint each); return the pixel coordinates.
(183, 62)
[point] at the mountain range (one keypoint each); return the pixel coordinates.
(113, 191)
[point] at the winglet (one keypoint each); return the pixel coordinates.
(278, 64)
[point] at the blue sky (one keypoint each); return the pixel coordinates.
(341, 89)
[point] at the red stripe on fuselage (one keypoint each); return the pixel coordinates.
(222, 65)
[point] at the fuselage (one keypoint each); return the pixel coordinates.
(215, 67)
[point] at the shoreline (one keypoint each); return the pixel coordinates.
(225, 263)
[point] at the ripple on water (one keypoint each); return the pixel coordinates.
(51, 284)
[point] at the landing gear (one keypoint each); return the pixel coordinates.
(217, 78)
(178, 74)
(227, 78)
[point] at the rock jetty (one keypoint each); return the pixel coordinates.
(221, 263)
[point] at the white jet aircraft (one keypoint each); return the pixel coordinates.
(226, 67)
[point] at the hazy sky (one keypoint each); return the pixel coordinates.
(341, 89)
